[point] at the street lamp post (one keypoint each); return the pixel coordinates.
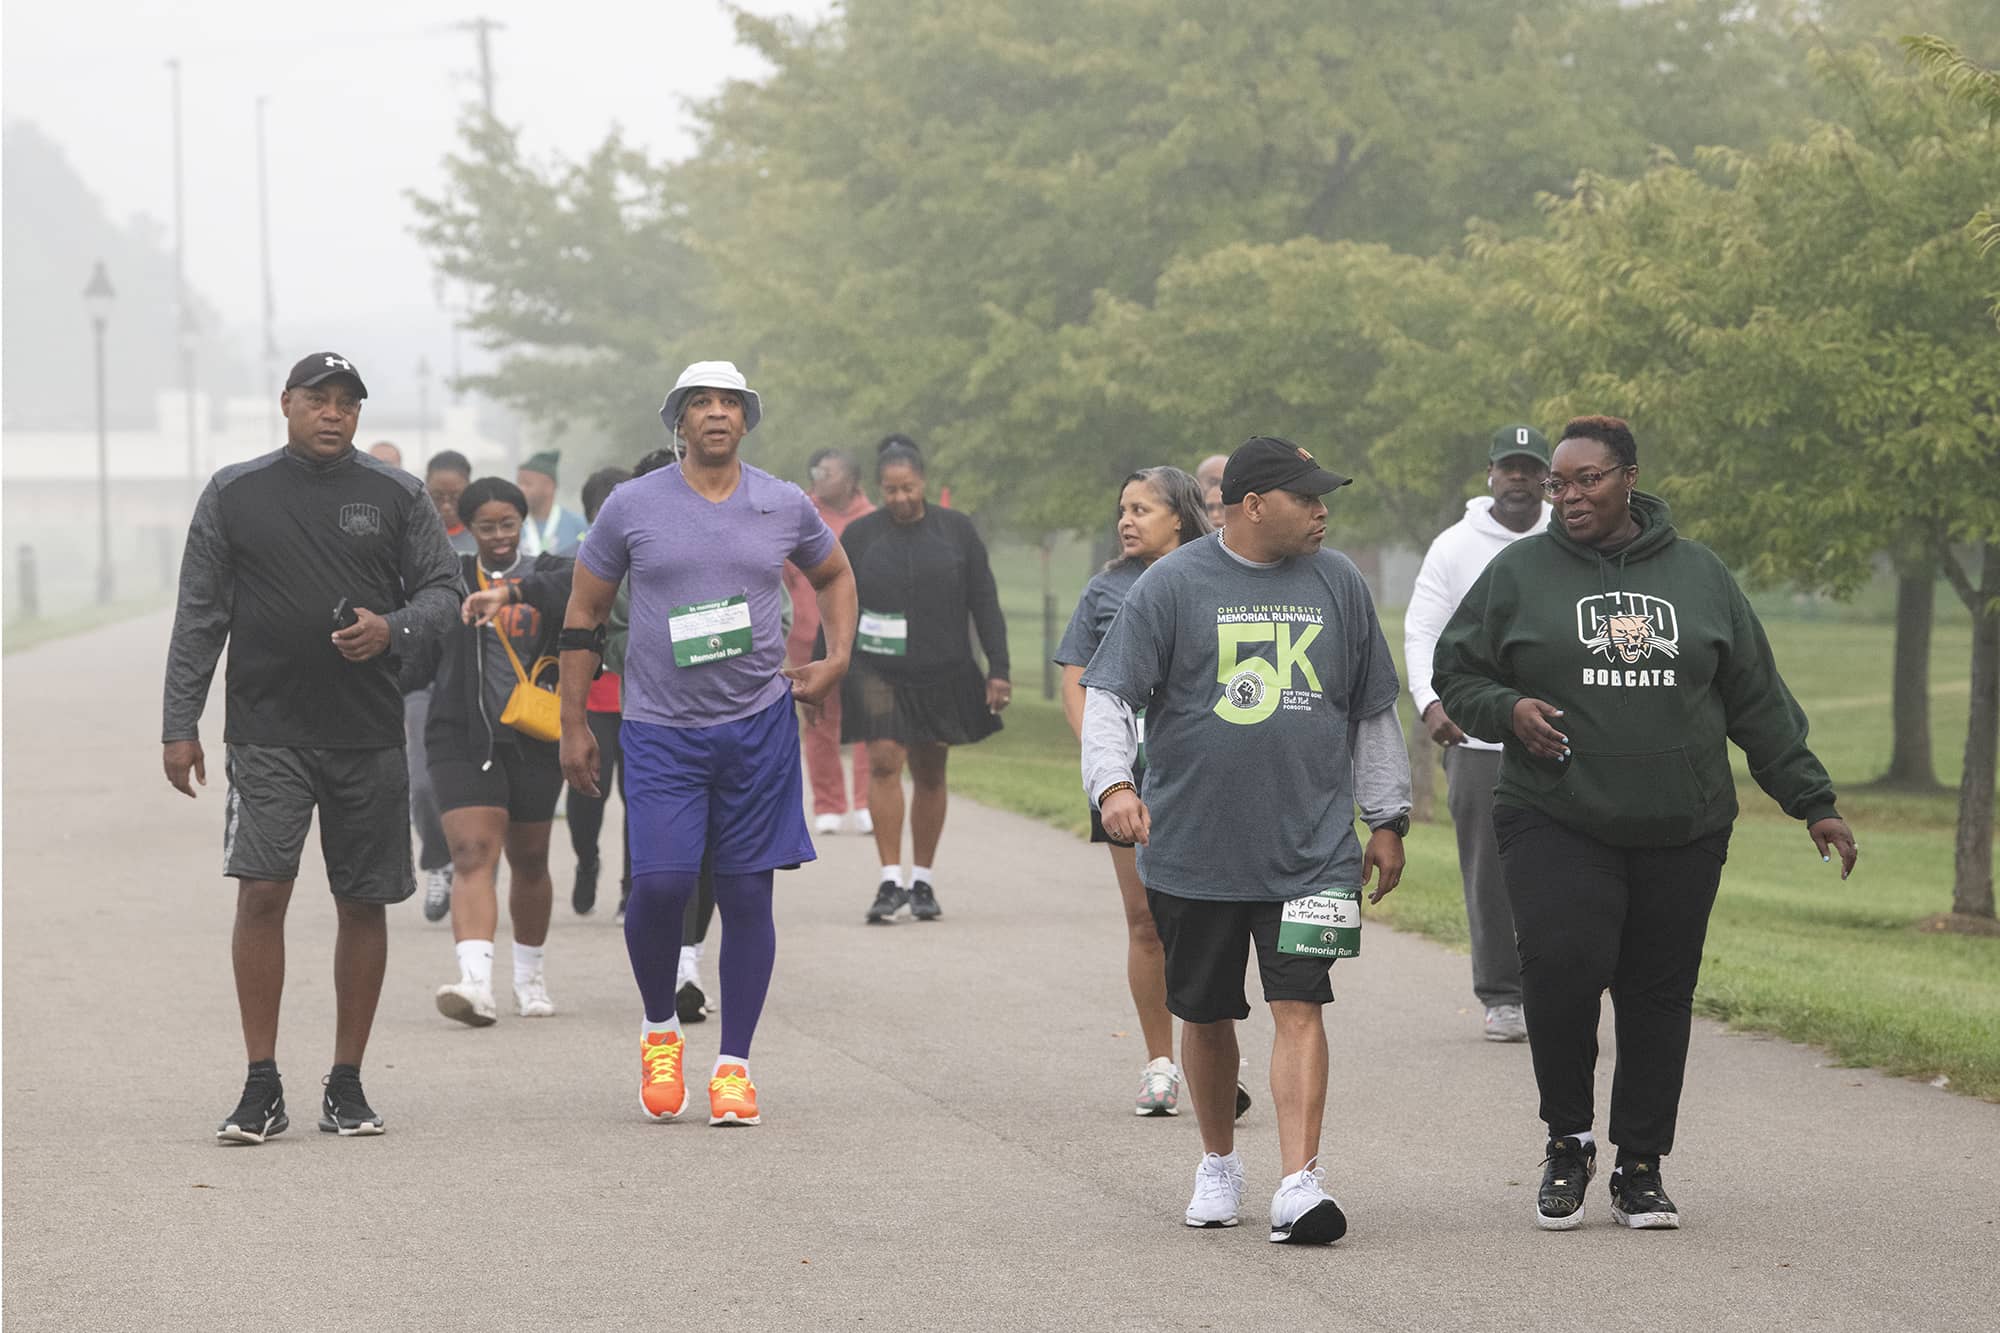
(97, 298)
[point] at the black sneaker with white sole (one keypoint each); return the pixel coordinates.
(923, 902)
(259, 1115)
(889, 900)
(1242, 1100)
(1566, 1173)
(344, 1110)
(1637, 1199)
(691, 1003)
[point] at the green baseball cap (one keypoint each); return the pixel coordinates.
(1524, 440)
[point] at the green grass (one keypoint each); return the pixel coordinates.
(1791, 948)
(23, 634)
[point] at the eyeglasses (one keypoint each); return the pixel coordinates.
(506, 527)
(1583, 481)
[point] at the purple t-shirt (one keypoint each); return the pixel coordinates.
(679, 549)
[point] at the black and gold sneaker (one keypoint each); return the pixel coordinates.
(1637, 1199)
(1566, 1173)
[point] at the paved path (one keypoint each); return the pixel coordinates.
(946, 1142)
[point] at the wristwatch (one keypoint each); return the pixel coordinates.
(1400, 825)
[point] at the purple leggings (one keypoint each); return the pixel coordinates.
(653, 918)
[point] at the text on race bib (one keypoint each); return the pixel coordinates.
(1322, 925)
(886, 634)
(711, 631)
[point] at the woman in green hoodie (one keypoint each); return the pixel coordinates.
(1614, 661)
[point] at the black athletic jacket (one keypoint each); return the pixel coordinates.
(274, 545)
(455, 664)
(935, 572)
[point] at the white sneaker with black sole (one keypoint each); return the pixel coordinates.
(1218, 1192)
(1303, 1213)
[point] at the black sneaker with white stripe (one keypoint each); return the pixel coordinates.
(343, 1110)
(890, 899)
(259, 1115)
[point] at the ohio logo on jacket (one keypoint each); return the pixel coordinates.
(1628, 629)
(360, 520)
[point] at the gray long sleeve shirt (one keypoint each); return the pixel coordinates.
(274, 546)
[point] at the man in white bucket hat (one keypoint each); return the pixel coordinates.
(710, 739)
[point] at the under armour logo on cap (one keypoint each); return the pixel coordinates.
(324, 366)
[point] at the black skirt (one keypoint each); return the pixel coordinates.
(946, 706)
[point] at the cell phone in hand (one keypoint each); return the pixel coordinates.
(343, 613)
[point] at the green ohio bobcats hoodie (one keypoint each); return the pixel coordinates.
(1655, 658)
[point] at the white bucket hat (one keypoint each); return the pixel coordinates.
(712, 375)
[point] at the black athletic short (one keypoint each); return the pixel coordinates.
(524, 779)
(1097, 833)
(1208, 948)
(363, 799)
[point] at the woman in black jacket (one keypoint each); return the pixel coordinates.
(496, 786)
(914, 688)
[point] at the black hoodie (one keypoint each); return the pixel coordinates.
(455, 663)
(1655, 658)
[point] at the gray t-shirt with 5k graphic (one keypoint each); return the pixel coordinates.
(1251, 678)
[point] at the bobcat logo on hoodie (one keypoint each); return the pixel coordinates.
(1627, 628)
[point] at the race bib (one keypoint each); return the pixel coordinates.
(1322, 925)
(887, 635)
(713, 631)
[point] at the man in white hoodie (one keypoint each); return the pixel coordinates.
(1517, 464)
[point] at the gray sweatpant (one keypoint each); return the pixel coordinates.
(1496, 961)
(433, 852)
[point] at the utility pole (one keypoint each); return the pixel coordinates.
(185, 329)
(482, 30)
(264, 247)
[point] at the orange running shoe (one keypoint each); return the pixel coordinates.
(661, 1083)
(732, 1097)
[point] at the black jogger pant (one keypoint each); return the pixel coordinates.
(1590, 917)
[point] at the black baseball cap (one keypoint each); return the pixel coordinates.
(323, 366)
(1267, 463)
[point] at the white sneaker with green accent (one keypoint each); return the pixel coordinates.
(1159, 1089)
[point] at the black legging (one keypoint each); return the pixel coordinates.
(586, 813)
(1589, 916)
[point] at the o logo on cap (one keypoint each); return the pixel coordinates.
(1520, 434)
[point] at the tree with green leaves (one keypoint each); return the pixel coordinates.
(1800, 335)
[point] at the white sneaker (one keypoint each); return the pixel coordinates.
(1159, 1089)
(531, 998)
(437, 893)
(827, 826)
(468, 1001)
(1506, 1022)
(1302, 1213)
(1218, 1192)
(864, 823)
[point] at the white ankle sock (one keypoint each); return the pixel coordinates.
(527, 963)
(475, 961)
(1586, 1137)
(722, 1060)
(893, 875)
(920, 874)
(647, 1027)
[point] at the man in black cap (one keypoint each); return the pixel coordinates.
(1270, 703)
(1517, 462)
(311, 563)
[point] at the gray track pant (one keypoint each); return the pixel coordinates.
(1496, 960)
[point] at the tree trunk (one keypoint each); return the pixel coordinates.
(1972, 880)
(1423, 772)
(1911, 767)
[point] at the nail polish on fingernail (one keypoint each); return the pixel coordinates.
(1826, 858)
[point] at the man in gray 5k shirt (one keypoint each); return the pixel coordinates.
(1270, 710)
